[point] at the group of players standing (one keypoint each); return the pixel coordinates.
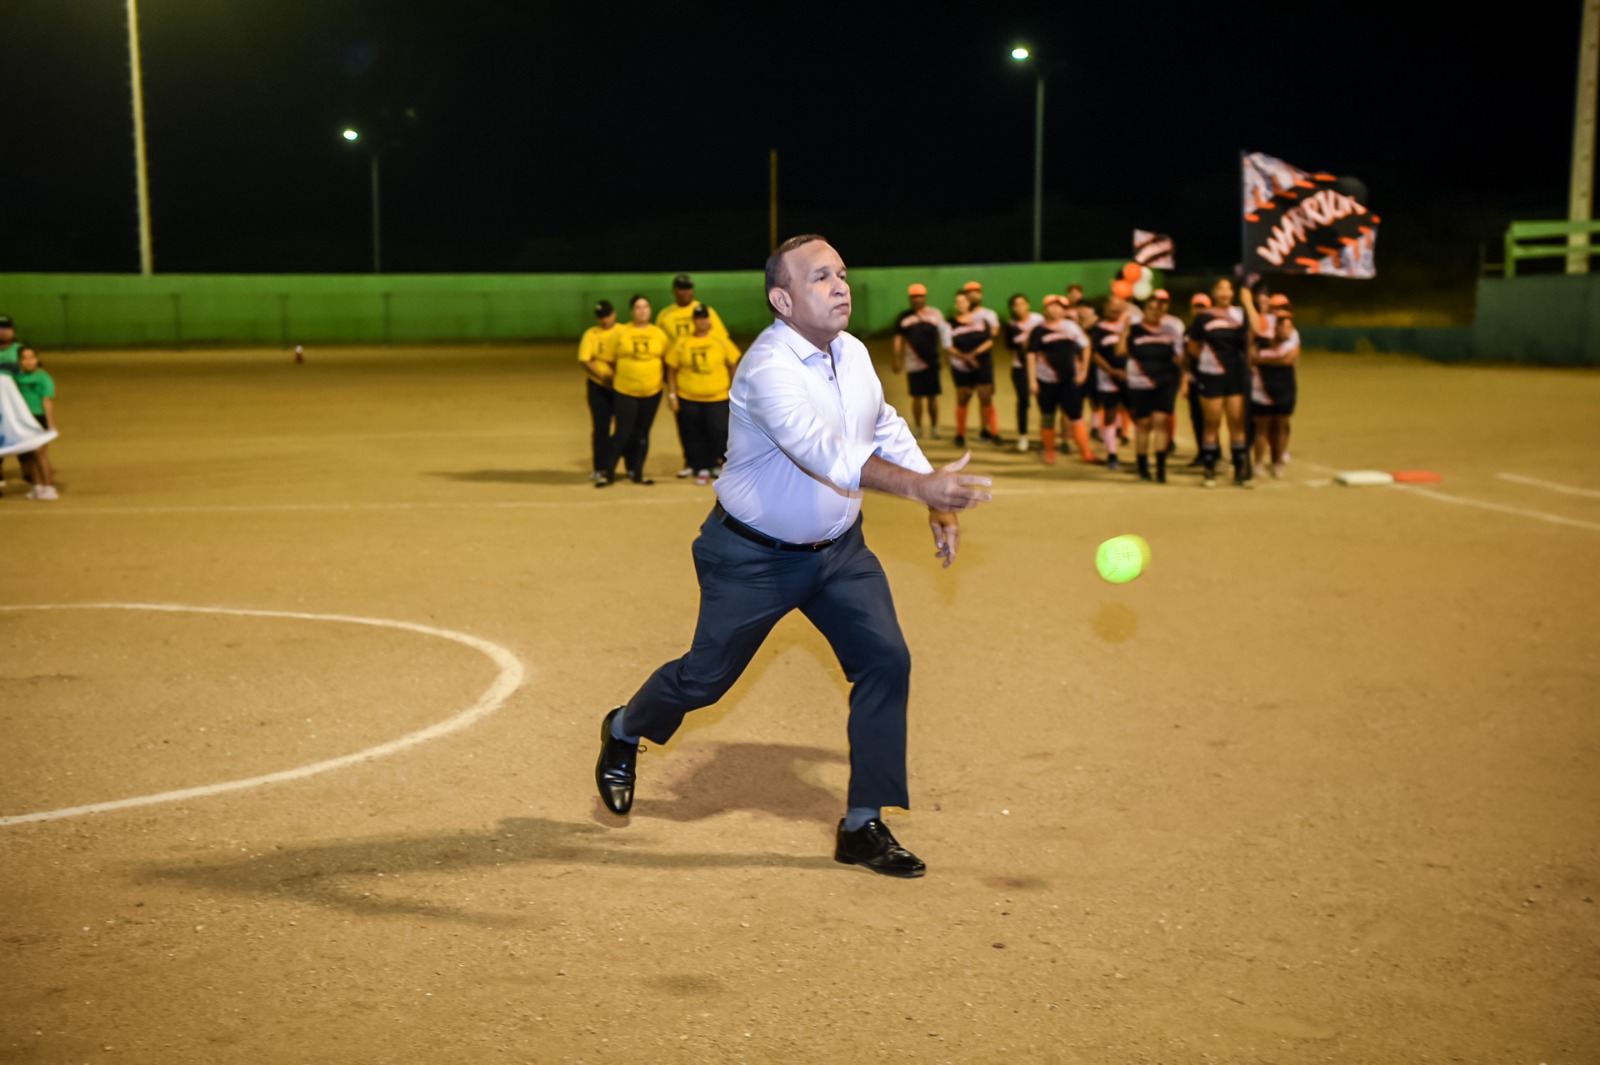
(687, 355)
(1128, 364)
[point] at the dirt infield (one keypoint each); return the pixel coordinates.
(1320, 787)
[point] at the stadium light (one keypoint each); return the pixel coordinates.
(1022, 54)
(351, 136)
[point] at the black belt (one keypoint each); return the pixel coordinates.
(739, 528)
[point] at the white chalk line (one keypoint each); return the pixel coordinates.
(1483, 504)
(1521, 512)
(508, 680)
(1565, 489)
(56, 510)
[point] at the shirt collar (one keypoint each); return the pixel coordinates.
(789, 338)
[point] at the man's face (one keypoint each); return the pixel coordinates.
(608, 321)
(1055, 310)
(975, 297)
(684, 296)
(1074, 295)
(7, 334)
(918, 302)
(1154, 308)
(702, 325)
(816, 295)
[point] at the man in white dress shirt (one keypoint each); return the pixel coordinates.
(809, 432)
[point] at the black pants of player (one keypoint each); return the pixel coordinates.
(602, 407)
(704, 427)
(745, 589)
(631, 441)
(1197, 415)
(1019, 382)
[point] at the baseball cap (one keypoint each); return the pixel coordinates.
(917, 290)
(1278, 300)
(700, 311)
(972, 286)
(683, 281)
(603, 308)
(1053, 298)
(5, 321)
(1162, 295)
(1199, 299)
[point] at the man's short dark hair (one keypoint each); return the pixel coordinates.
(777, 275)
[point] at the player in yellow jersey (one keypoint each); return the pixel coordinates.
(641, 350)
(597, 352)
(699, 374)
(678, 321)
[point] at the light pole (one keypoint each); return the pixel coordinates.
(1023, 54)
(353, 136)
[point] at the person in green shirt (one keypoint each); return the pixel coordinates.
(38, 390)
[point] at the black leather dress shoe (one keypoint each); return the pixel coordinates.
(614, 771)
(875, 847)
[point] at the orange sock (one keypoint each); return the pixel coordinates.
(961, 421)
(992, 419)
(1080, 433)
(1047, 441)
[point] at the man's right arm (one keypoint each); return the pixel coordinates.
(946, 488)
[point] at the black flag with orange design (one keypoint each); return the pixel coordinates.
(1305, 223)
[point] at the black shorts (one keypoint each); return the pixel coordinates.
(924, 382)
(1065, 396)
(1279, 384)
(983, 375)
(42, 419)
(1162, 399)
(1220, 385)
(1110, 399)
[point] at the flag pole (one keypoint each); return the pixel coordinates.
(1244, 226)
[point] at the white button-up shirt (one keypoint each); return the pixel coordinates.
(802, 423)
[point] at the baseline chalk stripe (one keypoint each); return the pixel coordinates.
(1564, 489)
(1522, 512)
(508, 680)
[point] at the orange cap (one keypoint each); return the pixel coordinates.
(1199, 299)
(972, 285)
(1278, 300)
(917, 290)
(1161, 294)
(1053, 298)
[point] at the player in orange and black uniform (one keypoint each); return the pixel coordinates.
(969, 342)
(1274, 390)
(1058, 366)
(1110, 375)
(1016, 331)
(916, 351)
(1154, 353)
(1218, 343)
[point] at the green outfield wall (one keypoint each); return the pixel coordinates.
(119, 310)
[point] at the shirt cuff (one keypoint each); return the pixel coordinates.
(855, 456)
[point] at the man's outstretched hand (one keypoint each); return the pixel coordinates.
(948, 489)
(946, 535)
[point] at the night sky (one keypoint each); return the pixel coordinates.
(555, 137)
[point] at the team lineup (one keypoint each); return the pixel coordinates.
(1113, 369)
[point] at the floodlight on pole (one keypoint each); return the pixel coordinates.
(351, 136)
(1023, 54)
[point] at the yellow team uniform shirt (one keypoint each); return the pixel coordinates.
(598, 345)
(640, 352)
(705, 367)
(679, 321)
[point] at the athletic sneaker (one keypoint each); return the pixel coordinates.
(959, 441)
(1277, 469)
(1210, 480)
(702, 477)
(45, 492)
(687, 471)
(1022, 444)
(1112, 463)
(936, 434)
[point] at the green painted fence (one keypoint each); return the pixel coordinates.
(118, 310)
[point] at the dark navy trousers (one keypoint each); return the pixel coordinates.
(745, 588)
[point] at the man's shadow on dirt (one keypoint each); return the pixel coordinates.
(369, 876)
